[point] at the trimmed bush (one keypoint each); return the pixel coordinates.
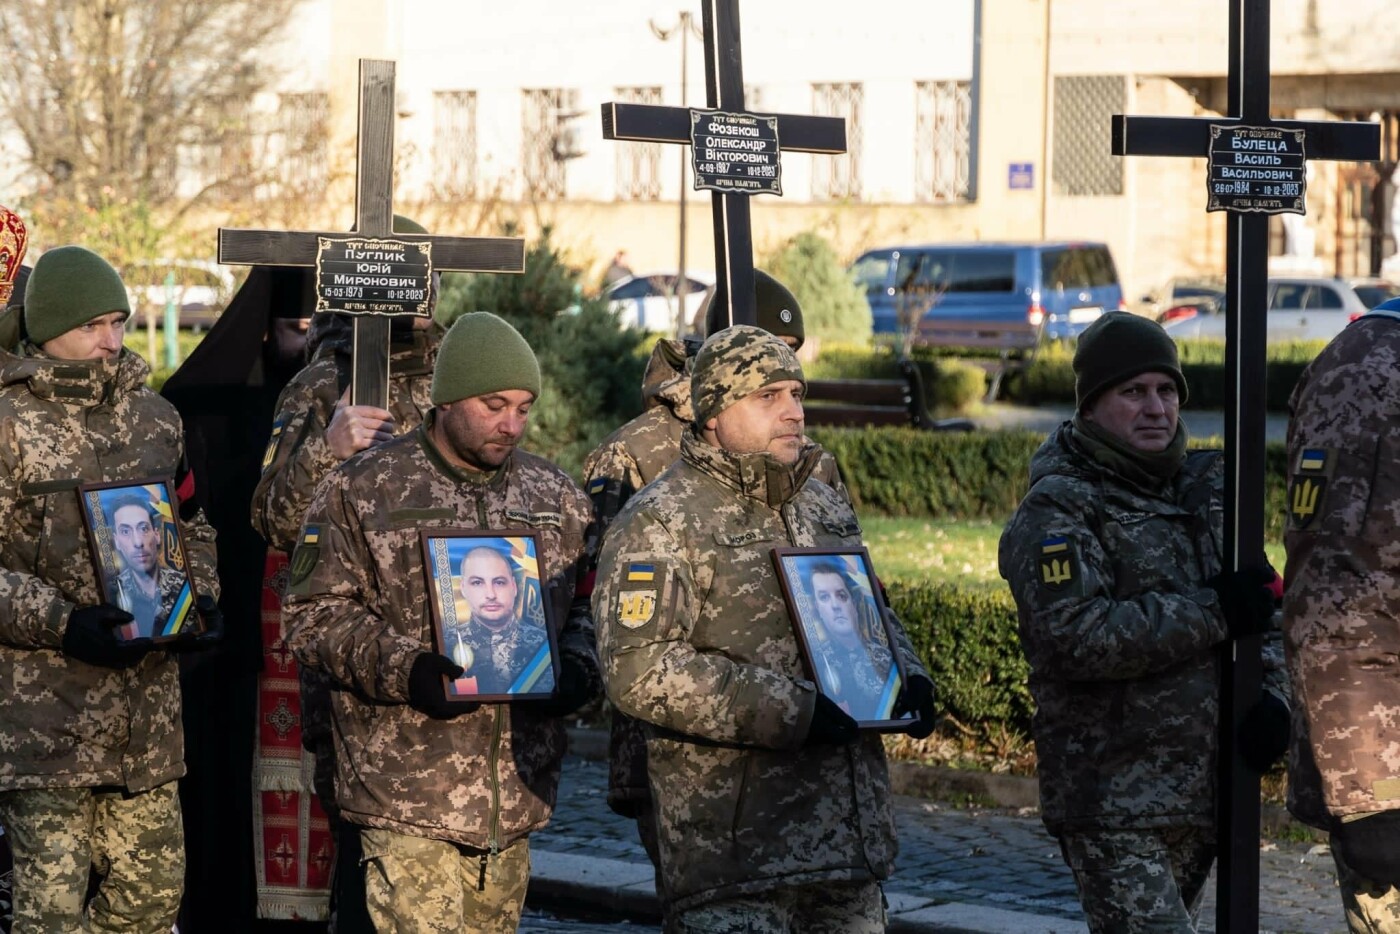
(972, 475)
(1051, 377)
(967, 639)
(955, 385)
(833, 305)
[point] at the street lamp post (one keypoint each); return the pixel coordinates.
(684, 28)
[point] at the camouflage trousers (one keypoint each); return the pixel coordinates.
(414, 885)
(1366, 913)
(1140, 881)
(824, 908)
(60, 835)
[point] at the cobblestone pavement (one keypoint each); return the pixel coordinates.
(989, 858)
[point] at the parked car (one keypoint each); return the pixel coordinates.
(1299, 308)
(1066, 285)
(1184, 297)
(1373, 291)
(648, 301)
(200, 290)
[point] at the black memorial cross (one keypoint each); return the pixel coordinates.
(724, 90)
(374, 184)
(1247, 238)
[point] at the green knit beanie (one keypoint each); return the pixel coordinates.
(1118, 346)
(408, 225)
(775, 308)
(480, 354)
(69, 287)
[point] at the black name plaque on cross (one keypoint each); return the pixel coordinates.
(1259, 169)
(735, 153)
(372, 276)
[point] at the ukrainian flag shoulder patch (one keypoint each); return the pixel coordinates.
(1307, 488)
(640, 573)
(595, 486)
(1058, 563)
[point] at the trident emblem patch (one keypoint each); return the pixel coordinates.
(1308, 487)
(1058, 563)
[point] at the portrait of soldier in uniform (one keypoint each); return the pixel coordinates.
(141, 577)
(840, 620)
(492, 616)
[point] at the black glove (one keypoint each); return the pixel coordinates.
(1245, 599)
(573, 690)
(91, 637)
(831, 726)
(1371, 847)
(212, 633)
(916, 697)
(426, 693)
(1264, 732)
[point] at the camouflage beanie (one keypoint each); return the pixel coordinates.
(69, 286)
(1117, 347)
(480, 354)
(774, 305)
(735, 362)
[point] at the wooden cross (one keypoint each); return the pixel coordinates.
(724, 91)
(374, 194)
(1247, 270)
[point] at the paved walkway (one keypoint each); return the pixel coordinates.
(960, 869)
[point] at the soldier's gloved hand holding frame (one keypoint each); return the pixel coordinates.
(831, 726)
(573, 692)
(210, 635)
(917, 697)
(91, 636)
(1264, 732)
(425, 690)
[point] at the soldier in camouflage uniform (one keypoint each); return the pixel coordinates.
(1114, 558)
(773, 812)
(444, 808)
(636, 454)
(90, 724)
(314, 430)
(1341, 610)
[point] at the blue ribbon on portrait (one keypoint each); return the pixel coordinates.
(176, 620)
(885, 709)
(532, 678)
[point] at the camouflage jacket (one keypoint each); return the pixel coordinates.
(623, 463)
(1120, 630)
(696, 641)
(298, 455)
(65, 723)
(1342, 598)
(361, 614)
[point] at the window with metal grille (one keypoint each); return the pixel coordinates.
(639, 164)
(1084, 108)
(838, 177)
(942, 140)
(302, 124)
(454, 144)
(545, 140)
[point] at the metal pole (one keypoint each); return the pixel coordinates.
(682, 324)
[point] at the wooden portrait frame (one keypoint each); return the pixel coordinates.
(534, 675)
(175, 615)
(873, 670)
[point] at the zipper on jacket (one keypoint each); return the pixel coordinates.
(493, 840)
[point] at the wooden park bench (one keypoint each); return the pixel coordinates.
(861, 403)
(1017, 342)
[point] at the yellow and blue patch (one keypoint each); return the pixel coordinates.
(1058, 564)
(306, 555)
(596, 485)
(312, 535)
(640, 573)
(1307, 488)
(637, 595)
(272, 442)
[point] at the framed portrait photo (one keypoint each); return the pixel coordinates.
(138, 550)
(845, 636)
(491, 614)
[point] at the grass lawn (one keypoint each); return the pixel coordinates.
(950, 552)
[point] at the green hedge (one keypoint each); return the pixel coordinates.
(970, 475)
(968, 640)
(1051, 378)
